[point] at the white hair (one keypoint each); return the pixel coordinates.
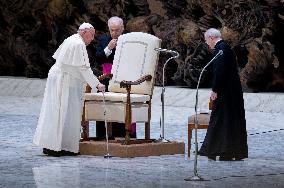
(212, 32)
(115, 20)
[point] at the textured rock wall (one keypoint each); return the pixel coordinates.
(30, 32)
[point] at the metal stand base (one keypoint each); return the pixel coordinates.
(195, 178)
(163, 140)
(107, 156)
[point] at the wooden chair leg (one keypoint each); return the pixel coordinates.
(85, 130)
(128, 118)
(148, 124)
(189, 139)
(85, 126)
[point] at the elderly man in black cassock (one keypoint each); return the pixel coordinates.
(226, 135)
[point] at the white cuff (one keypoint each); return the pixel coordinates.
(107, 51)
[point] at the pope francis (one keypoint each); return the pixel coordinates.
(58, 129)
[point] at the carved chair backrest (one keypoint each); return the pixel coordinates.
(135, 57)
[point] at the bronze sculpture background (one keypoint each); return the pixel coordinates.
(30, 32)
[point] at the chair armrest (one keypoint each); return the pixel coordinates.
(128, 116)
(124, 83)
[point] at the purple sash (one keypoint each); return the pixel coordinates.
(106, 68)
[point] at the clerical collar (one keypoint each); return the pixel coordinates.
(218, 41)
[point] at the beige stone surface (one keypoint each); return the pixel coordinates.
(99, 148)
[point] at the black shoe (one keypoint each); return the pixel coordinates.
(50, 152)
(211, 157)
(239, 158)
(45, 151)
(54, 153)
(111, 138)
(225, 158)
(68, 153)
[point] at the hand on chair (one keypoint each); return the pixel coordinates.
(213, 95)
(101, 87)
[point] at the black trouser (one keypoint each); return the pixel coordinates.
(118, 129)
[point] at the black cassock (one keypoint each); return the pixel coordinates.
(226, 134)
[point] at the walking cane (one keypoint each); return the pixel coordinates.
(104, 101)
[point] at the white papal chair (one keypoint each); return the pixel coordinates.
(131, 86)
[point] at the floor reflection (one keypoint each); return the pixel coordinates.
(57, 175)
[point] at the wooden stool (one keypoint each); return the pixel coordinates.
(203, 122)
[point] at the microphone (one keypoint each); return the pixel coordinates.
(220, 52)
(165, 50)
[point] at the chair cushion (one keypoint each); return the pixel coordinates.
(115, 111)
(203, 119)
(117, 97)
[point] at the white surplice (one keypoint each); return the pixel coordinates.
(59, 122)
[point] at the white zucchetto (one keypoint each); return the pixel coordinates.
(85, 26)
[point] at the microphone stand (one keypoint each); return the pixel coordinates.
(196, 176)
(162, 134)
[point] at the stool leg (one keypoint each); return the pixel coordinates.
(189, 140)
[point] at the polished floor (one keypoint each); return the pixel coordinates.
(23, 165)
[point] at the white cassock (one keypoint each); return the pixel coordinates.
(59, 122)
